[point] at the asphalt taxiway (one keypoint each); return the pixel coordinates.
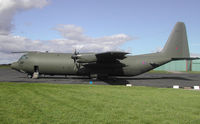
(146, 79)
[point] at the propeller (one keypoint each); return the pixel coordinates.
(75, 57)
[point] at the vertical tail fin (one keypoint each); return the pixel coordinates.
(177, 43)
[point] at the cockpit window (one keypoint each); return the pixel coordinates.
(24, 57)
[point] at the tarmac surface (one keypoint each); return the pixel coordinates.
(147, 79)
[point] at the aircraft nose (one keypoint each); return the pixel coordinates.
(15, 66)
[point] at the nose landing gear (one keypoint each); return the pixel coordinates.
(36, 72)
(29, 75)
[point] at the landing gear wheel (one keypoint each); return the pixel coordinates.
(93, 76)
(29, 75)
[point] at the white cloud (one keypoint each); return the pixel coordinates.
(72, 40)
(194, 55)
(73, 36)
(71, 32)
(8, 8)
(8, 42)
(11, 43)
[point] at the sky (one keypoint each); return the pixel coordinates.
(135, 26)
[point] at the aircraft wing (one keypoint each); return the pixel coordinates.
(104, 57)
(110, 56)
(105, 61)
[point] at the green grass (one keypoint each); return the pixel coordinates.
(103, 104)
(4, 66)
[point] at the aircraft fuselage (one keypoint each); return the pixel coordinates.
(62, 64)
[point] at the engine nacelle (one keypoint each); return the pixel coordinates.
(86, 58)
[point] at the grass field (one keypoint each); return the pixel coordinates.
(103, 104)
(4, 66)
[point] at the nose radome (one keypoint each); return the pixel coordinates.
(14, 65)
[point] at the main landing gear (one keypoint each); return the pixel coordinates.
(98, 76)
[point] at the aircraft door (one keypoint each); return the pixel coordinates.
(36, 68)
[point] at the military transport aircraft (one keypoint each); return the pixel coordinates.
(105, 64)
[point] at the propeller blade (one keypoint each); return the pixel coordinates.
(74, 57)
(75, 52)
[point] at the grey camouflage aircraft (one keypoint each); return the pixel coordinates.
(105, 64)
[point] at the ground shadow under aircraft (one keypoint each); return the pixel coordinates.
(124, 81)
(117, 80)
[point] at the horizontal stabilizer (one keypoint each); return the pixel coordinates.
(191, 58)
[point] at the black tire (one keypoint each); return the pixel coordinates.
(29, 75)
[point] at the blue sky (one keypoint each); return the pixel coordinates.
(148, 22)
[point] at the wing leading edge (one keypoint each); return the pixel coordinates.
(111, 56)
(103, 57)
